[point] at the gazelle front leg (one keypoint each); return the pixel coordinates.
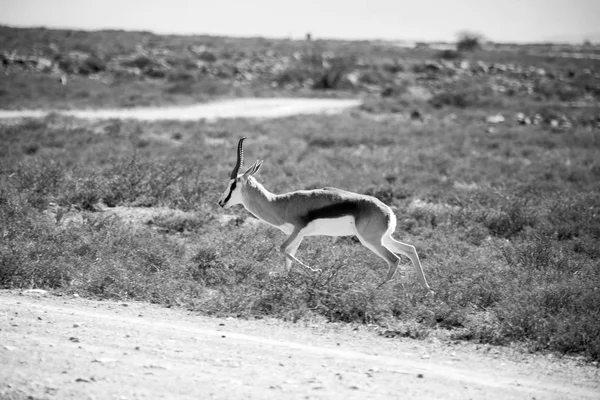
(292, 249)
(289, 248)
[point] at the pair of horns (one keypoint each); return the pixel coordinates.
(240, 159)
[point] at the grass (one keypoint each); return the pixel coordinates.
(35, 91)
(505, 220)
(506, 224)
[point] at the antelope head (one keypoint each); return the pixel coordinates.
(234, 191)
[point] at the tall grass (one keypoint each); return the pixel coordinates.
(506, 225)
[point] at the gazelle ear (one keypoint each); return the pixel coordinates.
(256, 166)
(253, 169)
(250, 170)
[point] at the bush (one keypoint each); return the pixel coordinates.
(181, 76)
(92, 65)
(468, 42)
(332, 79)
(457, 98)
(142, 62)
(449, 55)
(552, 89)
(207, 56)
(67, 65)
(295, 75)
(559, 314)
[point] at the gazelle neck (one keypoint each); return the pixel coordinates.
(260, 202)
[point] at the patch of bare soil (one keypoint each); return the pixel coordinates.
(59, 347)
(235, 108)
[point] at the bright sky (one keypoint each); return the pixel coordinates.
(427, 20)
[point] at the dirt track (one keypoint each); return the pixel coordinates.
(235, 108)
(63, 347)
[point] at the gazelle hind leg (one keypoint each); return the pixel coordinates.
(374, 244)
(410, 252)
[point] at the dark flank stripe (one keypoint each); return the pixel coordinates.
(331, 211)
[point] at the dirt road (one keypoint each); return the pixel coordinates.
(71, 348)
(235, 108)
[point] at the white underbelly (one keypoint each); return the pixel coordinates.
(343, 226)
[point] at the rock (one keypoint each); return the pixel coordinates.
(34, 292)
(495, 119)
(565, 123)
(522, 119)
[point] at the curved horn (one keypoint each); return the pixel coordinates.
(240, 159)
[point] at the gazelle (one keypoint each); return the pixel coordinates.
(327, 211)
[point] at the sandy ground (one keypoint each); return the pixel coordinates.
(236, 108)
(63, 347)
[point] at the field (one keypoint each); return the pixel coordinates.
(505, 214)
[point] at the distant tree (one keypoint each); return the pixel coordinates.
(468, 41)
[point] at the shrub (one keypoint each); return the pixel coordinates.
(142, 62)
(449, 55)
(180, 88)
(156, 73)
(92, 65)
(207, 56)
(456, 98)
(552, 89)
(393, 68)
(332, 79)
(181, 76)
(68, 65)
(295, 75)
(513, 217)
(372, 77)
(462, 94)
(468, 41)
(557, 311)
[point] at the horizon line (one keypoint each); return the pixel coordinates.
(290, 37)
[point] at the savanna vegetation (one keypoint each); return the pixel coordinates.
(505, 217)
